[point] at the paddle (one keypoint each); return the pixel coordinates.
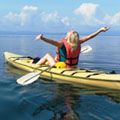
(30, 77)
(86, 49)
(33, 76)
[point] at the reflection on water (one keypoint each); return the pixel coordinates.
(63, 104)
(50, 100)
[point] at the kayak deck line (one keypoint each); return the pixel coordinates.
(97, 73)
(78, 75)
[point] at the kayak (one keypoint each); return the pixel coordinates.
(77, 75)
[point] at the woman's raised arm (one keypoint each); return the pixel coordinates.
(86, 38)
(50, 41)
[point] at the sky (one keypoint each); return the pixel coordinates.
(59, 15)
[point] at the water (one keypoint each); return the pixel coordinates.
(48, 100)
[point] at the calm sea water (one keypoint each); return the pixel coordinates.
(48, 100)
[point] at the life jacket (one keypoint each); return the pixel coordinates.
(65, 54)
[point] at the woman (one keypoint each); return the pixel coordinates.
(68, 48)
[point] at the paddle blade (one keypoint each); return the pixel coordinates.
(29, 78)
(86, 49)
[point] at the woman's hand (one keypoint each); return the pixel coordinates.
(104, 29)
(38, 37)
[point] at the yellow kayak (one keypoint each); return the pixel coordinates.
(81, 76)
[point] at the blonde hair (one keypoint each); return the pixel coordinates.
(72, 38)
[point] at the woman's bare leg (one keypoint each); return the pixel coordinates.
(48, 58)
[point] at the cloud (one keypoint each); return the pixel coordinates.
(28, 9)
(88, 13)
(92, 14)
(32, 16)
(66, 21)
(27, 13)
(12, 17)
(50, 17)
(113, 20)
(54, 18)
(87, 10)
(22, 18)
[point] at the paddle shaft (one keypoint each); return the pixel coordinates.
(39, 73)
